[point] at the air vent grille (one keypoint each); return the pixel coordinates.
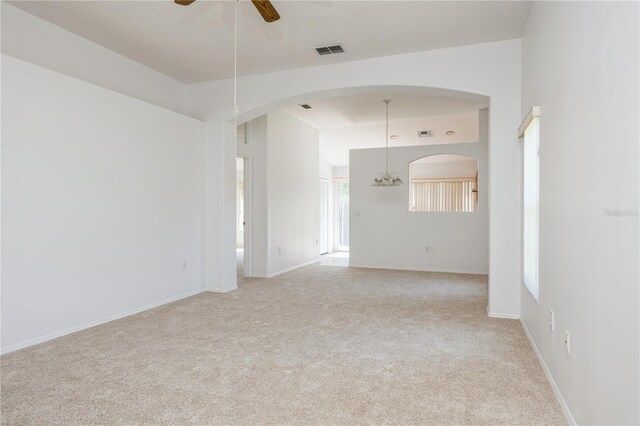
(328, 50)
(425, 133)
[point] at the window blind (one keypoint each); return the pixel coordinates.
(444, 195)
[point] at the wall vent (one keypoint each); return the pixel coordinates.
(425, 133)
(305, 106)
(328, 50)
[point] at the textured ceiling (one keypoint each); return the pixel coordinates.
(195, 43)
(358, 121)
(343, 111)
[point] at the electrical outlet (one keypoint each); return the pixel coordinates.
(567, 341)
(552, 320)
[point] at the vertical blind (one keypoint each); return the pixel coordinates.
(444, 195)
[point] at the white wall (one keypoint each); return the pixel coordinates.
(495, 74)
(385, 234)
(286, 192)
(580, 64)
(453, 169)
(257, 217)
(35, 40)
(101, 204)
(341, 172)
(294, 192)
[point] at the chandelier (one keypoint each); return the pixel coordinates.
(387, 179)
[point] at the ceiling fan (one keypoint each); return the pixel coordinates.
(266, 9)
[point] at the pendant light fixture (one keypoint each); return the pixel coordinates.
(387, 179)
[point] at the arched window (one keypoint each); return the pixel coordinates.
(443, 183)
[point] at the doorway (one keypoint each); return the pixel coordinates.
(342, 215)
(240, 219)
(244, 240)
(324, 215)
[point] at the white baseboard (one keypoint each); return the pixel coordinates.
(51, 336)
(226, 290)
(400, 268)
(547, 372)
(282, 271)
(500, 315)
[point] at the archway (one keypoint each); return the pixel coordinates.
(230, 143)
(491, 70)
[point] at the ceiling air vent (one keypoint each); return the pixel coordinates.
(328, 50)
(425, 133)
(305, 106)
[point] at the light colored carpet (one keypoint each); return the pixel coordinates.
(319, 345)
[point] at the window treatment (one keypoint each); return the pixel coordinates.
(444, 195)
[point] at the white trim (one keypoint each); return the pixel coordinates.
(282, 271)
(533, 112)
(224, 290)
(400, 268)
(503, 316)
(552, 382)
(90, 324)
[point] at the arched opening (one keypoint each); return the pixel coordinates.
(302, 98)
(228, 248)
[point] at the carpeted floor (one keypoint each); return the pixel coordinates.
(319, 345)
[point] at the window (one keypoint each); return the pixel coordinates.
(443, 183)
(531, 206)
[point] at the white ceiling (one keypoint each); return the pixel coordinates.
(195, 43)
(343, 111)
(358, 121)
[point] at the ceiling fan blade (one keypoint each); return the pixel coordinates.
(184, 2)
(266, 9)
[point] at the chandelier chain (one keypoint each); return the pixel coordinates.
(387, 179)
